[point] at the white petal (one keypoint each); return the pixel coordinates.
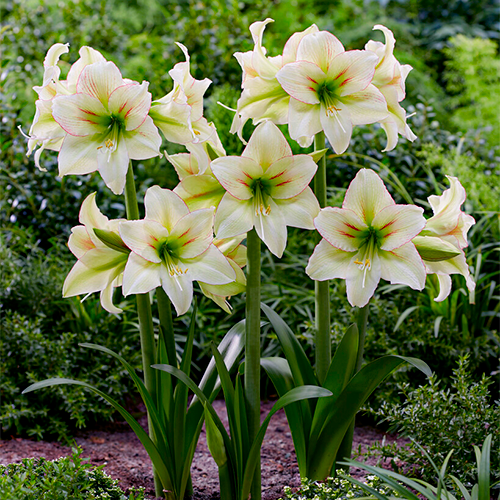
(82, 280)
(340, 227)
(113, 166)
(179, 289)
(144, 142)
(90, 215)
(290, 175)
(267, 145)
(107, 300)
(457, 265)
(79, 114)
(164, 207)
(292, 44)
(444, 281)
(211, 267)
(319, 48)
(185, 164)
(174, 120)
(353, 71)
(78, 155)
(398, 224)
(140, 275)
(233, 217)
(337, 125)
(366, 106)
(361, 284)
(88, 55)
(200, 191)
(302, 80)
(328, 262)
(304, 122)
(272, 229)
(300, 210)
(236, 174)
(79, 241)
(132, 102)
(99, 80)
(144, 237)
(193, 233)
(367, 195)
(403, 266)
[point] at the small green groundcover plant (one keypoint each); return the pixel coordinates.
(66, 477)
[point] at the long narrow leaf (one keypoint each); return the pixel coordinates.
(240, 413)
(483, 469)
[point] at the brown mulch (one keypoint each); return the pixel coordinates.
(126, 460)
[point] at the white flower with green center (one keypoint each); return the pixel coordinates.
(331, 90)
(100, 265)
(107, 125)
(172, 247)
(367, 239)
(267, 188)
(449, 226)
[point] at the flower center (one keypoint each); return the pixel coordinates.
(367, 251)
(327, 94)
(261, 201)
(115, 126)
(172, 263)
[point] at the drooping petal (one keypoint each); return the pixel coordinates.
(353, 71)
(267, 145)
(271, 228)
(319, 48)
(403, 266)
(211, 267)
(367, 195)
(444, 281)
(236, 174)
(179, 289)
(292, 44)
(79, 114)
(90, 215)
(398, 224)
(99, 80)
(144, 237)
(387, 64)
(88, 55)
(113, 165)
(193, 234)
(131, 102)
(337, 125)
(300, 210)
(107, 300)
(164, 207)
(366, 106)
(78, 155)
(200, 191)
(304, 122)
(328, 262)
(342, 228)
(302, 80)
(362, 283)
(79, 241)
(263, 65)
(290, 175)
(144, 142)
(82, 280)
(140, 275)
(233, 217)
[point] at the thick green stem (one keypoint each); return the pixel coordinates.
(345, 448)
(252, 347)
(146, 327)
(167, 325)
(321, 288)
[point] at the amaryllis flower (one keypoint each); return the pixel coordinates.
(267, 188)
(172, 247)
(236, 255)
(390, 78)
(263, 98)
(100, 265)
(331, 90)
(45, 132)
(107, 125)
(367, 239)
(450, 225)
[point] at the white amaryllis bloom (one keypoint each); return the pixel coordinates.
(100, 266)
(45, 131)
(267, 188)
(331, 90)
(107, 125)
(263, 98)
(450, 225)
(179, 114)
(172, 247)
(390, 78)
(367, 239)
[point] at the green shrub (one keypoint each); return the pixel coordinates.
(66, 477)
(442, 419)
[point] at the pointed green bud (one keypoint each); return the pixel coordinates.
(317, 155)
(434, 249)
(111, 240)
(215, 441)
(212, 153)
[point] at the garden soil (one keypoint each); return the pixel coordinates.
(125, 459)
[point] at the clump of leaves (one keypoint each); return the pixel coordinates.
(67, 477)
(441, 419)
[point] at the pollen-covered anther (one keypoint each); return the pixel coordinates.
(109, 143)
(330, 110)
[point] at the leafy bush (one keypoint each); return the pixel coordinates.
(442, 419)
(66, 477)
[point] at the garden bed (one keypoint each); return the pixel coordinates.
(126, 460)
